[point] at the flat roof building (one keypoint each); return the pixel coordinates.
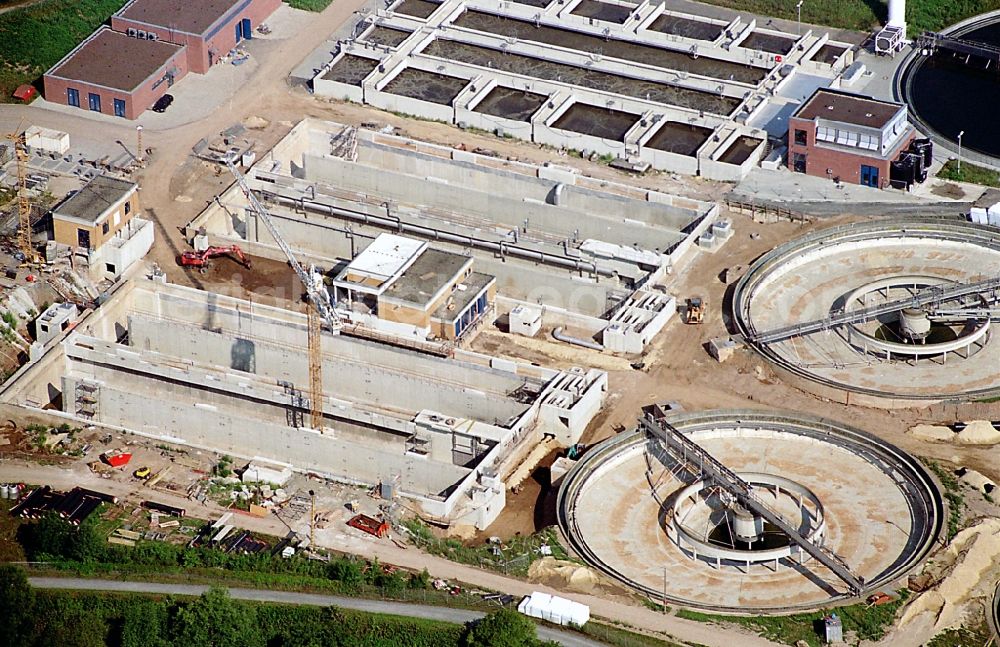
(208, 28)
(115, 74)
(100, 222)
(403, 281)
(123, 70)
(848, 137)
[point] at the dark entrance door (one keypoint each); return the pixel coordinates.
(247, 28)
(869, 175)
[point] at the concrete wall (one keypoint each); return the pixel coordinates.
(498, 197)
(199, 418)
(133, 243)
(415, 385)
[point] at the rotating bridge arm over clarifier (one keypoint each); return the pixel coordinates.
(655, 424)
(989, 289)
(616, 520)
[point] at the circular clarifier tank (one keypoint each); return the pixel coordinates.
(949, 93)
(902, 358)
(632, 510)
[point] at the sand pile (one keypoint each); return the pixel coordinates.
(966, 571)
(253, 122)
(563, 574)
(978, 432)
(932, 432)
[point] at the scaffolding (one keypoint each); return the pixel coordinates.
(87, 401)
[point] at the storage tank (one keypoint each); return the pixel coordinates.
(4, 491)
(914, 324)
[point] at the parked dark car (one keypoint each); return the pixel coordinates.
(163, 103)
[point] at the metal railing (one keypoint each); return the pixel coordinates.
(684, 449)
(935, 294)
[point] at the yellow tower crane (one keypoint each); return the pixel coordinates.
(23, 203)
(315, 369)
(319, 308)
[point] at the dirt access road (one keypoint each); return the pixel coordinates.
(387, 552)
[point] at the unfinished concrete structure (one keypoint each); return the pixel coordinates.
(671, 90)
(676, 535)
(794, 305)
(203, 370)
(591, 253)
(100, 224)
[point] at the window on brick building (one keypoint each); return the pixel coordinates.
(801, 137)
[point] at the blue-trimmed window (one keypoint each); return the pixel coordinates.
(73, 97)
(94, 101)
(119, 107)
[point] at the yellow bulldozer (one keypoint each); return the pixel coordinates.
(695, 312)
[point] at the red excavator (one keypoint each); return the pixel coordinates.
(201, 259)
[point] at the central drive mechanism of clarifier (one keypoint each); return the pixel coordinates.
(807, 511)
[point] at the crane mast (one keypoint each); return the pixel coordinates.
(23, 204)
(318, 297)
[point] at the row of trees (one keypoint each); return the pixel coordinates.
(32, 618)
(85, 548)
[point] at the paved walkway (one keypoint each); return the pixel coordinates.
(427, 612)
(785, 186)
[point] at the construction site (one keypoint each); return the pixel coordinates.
(395, 312)
(203, 370)
(588, 256)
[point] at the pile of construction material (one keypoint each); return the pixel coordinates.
(973, 432)
(74, 506)
(221, 535)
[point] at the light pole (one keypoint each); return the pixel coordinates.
(138, 143)
(798, 9)
(960, 133)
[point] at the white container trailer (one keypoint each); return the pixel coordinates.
(46, 139)
(554, 609)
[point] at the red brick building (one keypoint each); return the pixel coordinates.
(151, 44)
(848, 137)
(114, 74)
(209, 28)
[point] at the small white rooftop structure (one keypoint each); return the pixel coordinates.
(380, 264)
(260, 471)
(554, 609)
